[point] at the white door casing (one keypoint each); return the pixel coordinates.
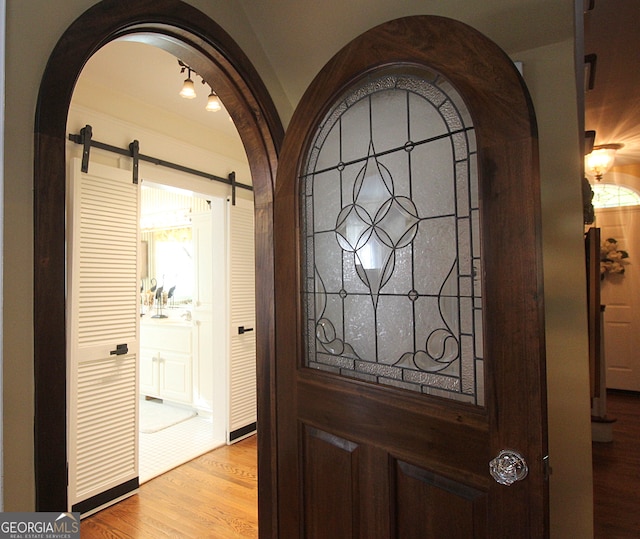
(210, 316)
(224, 382)
(205, 342)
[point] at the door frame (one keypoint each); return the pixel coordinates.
(186, 32)
(507, 149)
(622, 215)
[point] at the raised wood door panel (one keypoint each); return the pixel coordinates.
(380, 471)
(362, 453)
(430, 505)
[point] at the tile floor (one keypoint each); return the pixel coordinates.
(161, 451)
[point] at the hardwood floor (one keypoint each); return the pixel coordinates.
(616, 471)
(213, 496)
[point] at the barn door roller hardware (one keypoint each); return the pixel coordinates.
(85, 138)
(133, 151)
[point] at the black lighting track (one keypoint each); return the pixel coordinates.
(85, 138)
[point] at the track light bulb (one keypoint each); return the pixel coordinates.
(188, 90)
(213, 102)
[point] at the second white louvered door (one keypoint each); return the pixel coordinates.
(103, 339)
(242, 316)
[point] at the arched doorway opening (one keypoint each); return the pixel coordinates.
(185, 32)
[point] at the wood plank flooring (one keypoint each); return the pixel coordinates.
(616, 471)
(213, 496)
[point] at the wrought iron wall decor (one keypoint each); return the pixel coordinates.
(390, 223)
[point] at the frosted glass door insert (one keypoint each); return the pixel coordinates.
(390, 231)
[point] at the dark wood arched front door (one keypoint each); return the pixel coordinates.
(186, 32)
(410, 350)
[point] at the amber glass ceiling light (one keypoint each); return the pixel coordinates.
(600, 160)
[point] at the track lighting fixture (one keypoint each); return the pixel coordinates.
(188, 90)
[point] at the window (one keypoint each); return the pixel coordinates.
(391, 232)
(609, 195)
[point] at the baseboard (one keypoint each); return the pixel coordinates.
(627, 392)
(105, 499)
(238, 434)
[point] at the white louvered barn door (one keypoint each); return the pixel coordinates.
(242, 307)
(103, 340)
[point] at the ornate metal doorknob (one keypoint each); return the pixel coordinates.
(508, 467)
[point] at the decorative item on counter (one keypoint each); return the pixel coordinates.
(142, 297)
(151, 292)
(160, 301)
(612, 259)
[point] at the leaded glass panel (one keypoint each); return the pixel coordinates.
(390, 233)
(609, 195)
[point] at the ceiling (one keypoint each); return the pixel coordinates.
(151, 75)
(612, 107)
(299, 50)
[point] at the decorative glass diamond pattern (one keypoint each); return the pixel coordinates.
(374, 224)
(390, 226)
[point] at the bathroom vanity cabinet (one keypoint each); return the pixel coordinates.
(166, 360)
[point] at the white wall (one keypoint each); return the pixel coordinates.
(118, 119)
(627, 175)
(120, 133)
(549, 73)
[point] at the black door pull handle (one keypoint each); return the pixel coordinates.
(120, 350)
(242, 330)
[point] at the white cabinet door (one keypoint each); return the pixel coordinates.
(166, 361)
(149, 373)
(103, 337)
(175, 377)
